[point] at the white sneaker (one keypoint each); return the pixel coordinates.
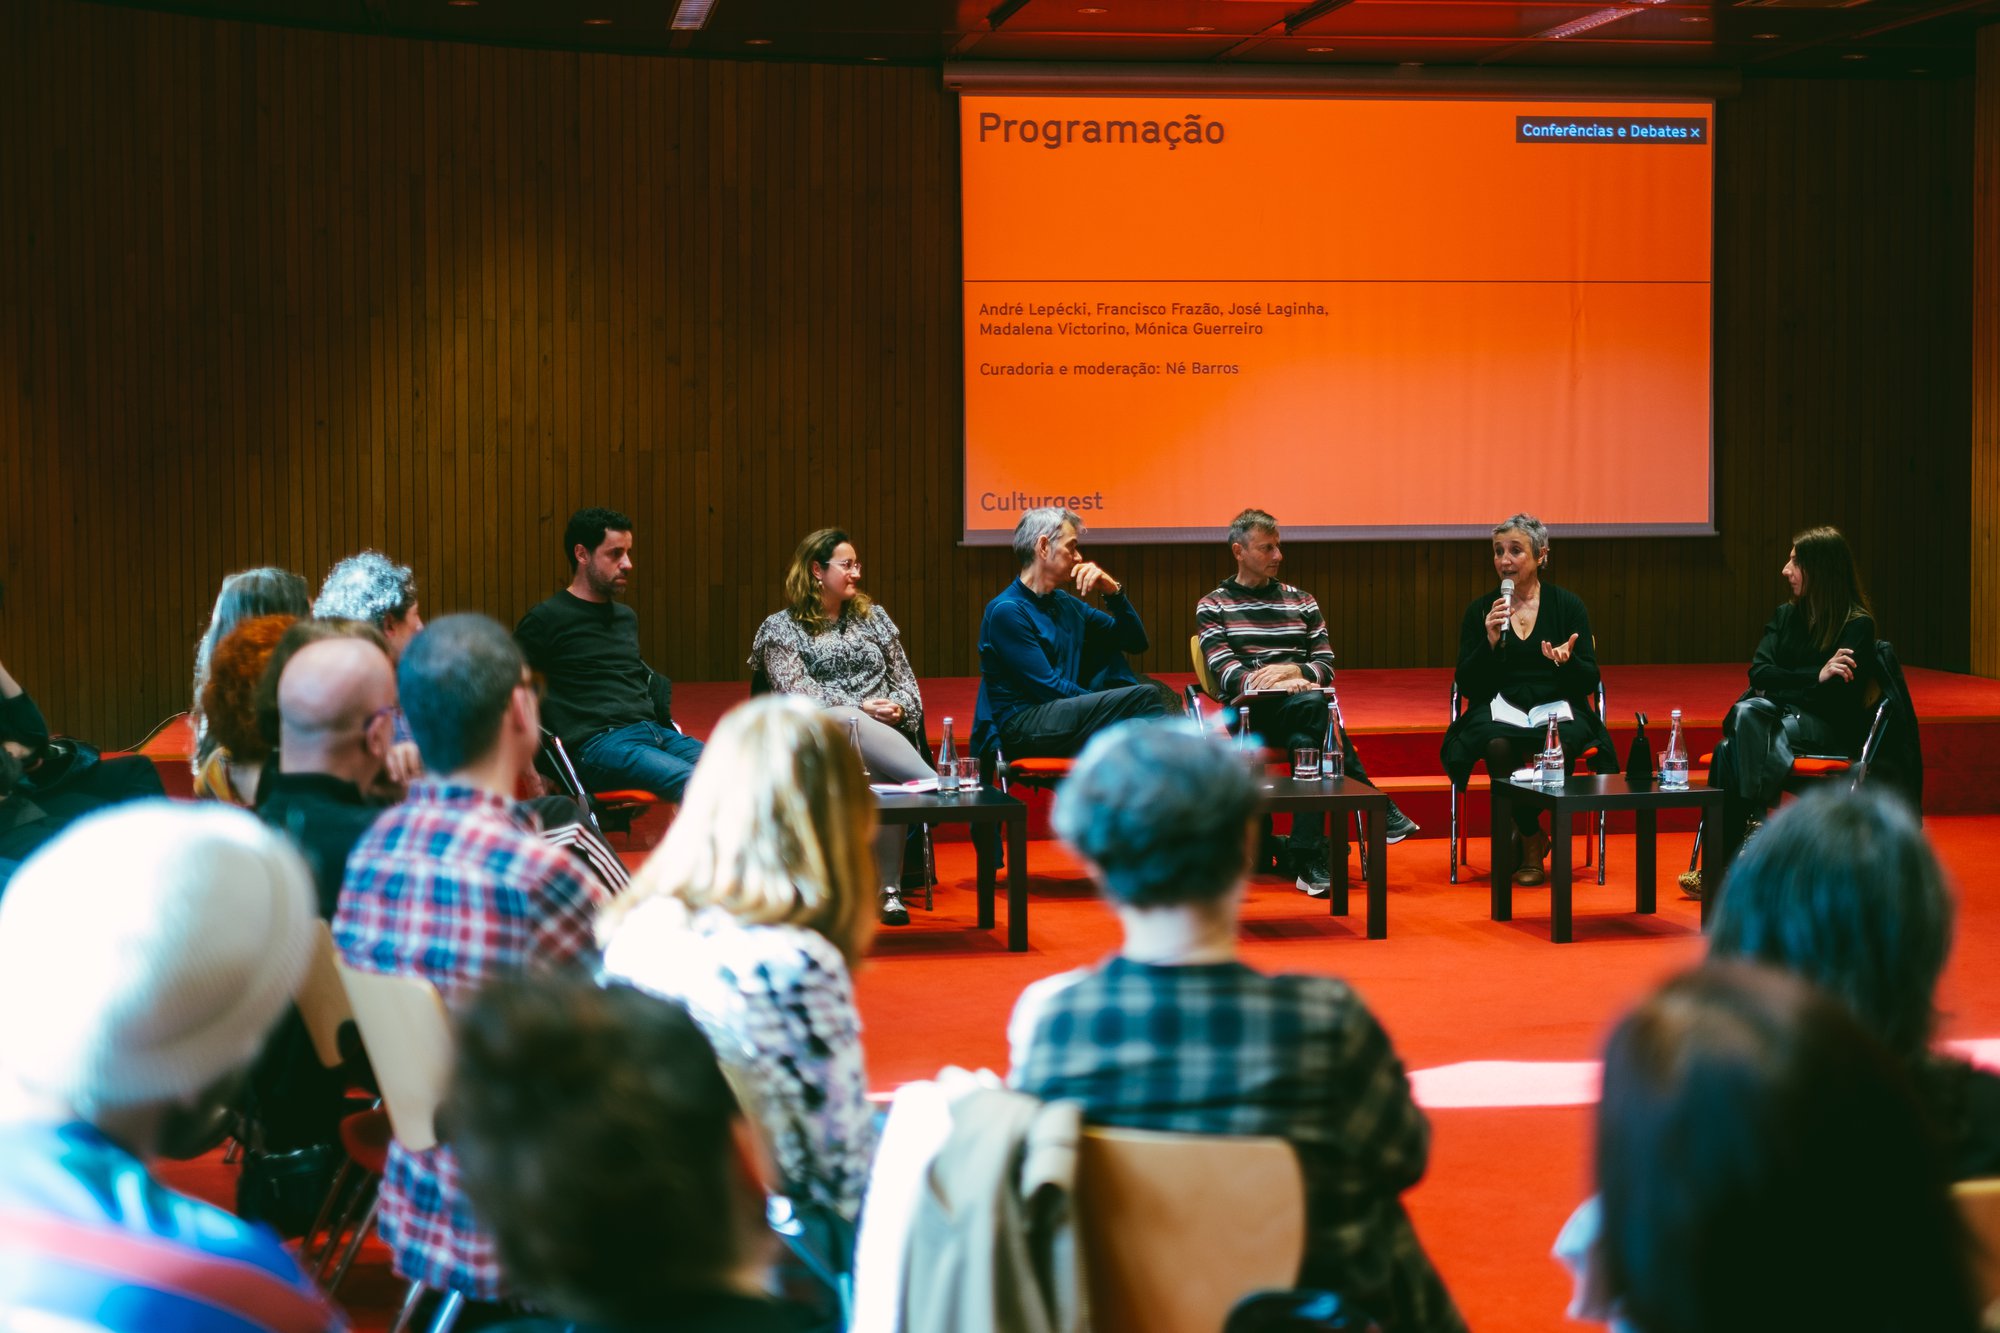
(893, 911)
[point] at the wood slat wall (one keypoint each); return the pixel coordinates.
(1985, 536)
(272, 295)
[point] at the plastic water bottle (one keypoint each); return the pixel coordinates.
(1674, 763)
(1332, 756)
(854, 739)
(947, 762)
(1552, 757)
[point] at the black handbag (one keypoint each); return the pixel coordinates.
(284, 1190)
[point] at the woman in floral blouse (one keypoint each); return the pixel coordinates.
(752, 913)
(834, 646)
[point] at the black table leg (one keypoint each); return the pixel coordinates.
(1378, 873)
(1559, 877)
(986, 841)
(1499, 853)
(1336, 897)
(1017, 881)
(1716, 854)
(1647, 859)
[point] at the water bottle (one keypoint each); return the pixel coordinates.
(1332, 757)
(1674, 763)
(854, 739)
(947, 762)
(1552, 757)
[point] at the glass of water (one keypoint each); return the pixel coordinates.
(1305, 763)
(1333, 764)
(968, 774)
(1552, 768)
(1674, 772)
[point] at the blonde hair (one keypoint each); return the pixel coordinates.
(802, 585)
(775, 828)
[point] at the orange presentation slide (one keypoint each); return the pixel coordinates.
(1375, 318)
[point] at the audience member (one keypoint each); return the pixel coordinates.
(47, 783)
(612, 711)
(143, 955)
(1843, 889)
(1033, 642)
(833, 645)
(753, 913)
(236, 760)
(601, 1144)
(1266, 643)
(375, 590)
(454, 887)
(1174, 1033)
(1762, 1165)
(244, 596)
(302, 633)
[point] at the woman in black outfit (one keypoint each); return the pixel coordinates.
(1808, 681)
(1532, 649)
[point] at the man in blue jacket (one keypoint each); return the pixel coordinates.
(1035, 639)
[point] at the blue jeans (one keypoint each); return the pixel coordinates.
(640, 754)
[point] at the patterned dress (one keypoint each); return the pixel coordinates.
(778, 1006)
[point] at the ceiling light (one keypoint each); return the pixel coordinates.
(691, 14)
(1694, 18)
(1411, 64)
(1092, 9)
(1919, 71)
(1577, 27)
(1203, 28)
(462, 4)
(877, 59)
(598, 23)
(756, 41)
(1854, 55)
(1763, 36)
(1318, 50)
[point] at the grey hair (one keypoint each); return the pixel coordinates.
(369, 587)
(1161, 812)
(1249, 521)
(1530, 527)
(1037, 524)
(245, 595)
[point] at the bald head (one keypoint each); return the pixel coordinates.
(331, 702)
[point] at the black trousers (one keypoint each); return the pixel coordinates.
(1059, 728)
(1289, 721)
(1760, 738)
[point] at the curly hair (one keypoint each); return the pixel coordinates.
(369, 587)
(229, 700)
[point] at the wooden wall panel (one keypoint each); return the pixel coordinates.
(271, 295)
(1985, 490)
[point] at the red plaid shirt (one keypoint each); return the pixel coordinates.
(453, 886)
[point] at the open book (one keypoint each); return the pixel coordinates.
(1538, 716)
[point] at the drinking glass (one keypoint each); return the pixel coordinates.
(1305, 763)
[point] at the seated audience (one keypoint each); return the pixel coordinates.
(753, 912)
(1174, 1033)
(373, 589)
(244, 596)
(143, 955)
(46, 783)
(836, 647)
(612, 711)
(1266, 643)
(1762, 1165)
(454, 886)
(1035, 639)
(238, 754)
(1844, 890)
(556, 1081)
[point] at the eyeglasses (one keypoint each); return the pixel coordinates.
(851, 566)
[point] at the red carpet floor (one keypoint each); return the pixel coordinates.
(1450, 986)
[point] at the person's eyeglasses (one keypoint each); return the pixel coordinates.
(852, 566)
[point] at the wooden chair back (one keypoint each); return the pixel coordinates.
(408, 1034)
(1979, 1204)
(1203, 676)
(322, 999)
(1176, 1228)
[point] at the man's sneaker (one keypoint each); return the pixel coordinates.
(1315, 872)
(1401, 825)
(893, 911)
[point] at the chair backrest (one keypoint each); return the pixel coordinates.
(322, 999)
(1176, 1228)
(408, 1035)
(1203, 676)
(1979, 1204)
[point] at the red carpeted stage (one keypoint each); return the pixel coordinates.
(1498, 1024)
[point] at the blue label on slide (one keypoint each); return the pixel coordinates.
(1611, 129)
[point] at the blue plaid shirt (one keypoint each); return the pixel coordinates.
(1224, 1049)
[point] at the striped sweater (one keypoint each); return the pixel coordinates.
(1246, 628)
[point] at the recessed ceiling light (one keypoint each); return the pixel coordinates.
(1854, 55)
(1318, 50)
(1694, 18)
(598, 23)
(756, 41)
(1202, 28)
(1092, 9)
(1763, 36)
(877, 59)
(1919, 71)
(1411, 64)
(462, 4)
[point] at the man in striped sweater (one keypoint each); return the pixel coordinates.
(1266, 643)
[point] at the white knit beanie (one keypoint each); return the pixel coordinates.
(146, 952)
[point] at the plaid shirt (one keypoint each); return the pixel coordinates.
(453, 886)
(1224, 1049)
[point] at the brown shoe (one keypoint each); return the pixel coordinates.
(1534, 848)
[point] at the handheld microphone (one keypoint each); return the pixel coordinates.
(1507, 596)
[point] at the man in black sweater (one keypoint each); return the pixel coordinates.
(611, 710)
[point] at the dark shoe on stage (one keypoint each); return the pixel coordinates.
(1690, 881)
(1534, 847)
(893, 911)
(1401, 825)
(1315, 872)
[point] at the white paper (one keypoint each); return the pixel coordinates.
(901, 788)
(1538, 716)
